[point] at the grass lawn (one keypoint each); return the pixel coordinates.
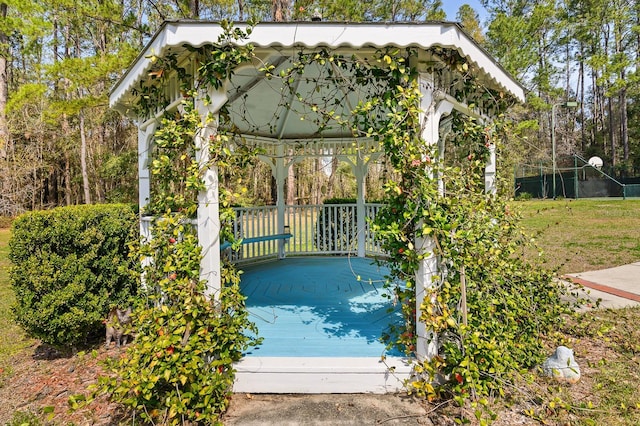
(584, 235)
(12, 339)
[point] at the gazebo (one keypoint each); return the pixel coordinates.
(268, 116)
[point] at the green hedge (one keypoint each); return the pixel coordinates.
(69, 265)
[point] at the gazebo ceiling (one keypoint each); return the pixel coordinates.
(266, 110)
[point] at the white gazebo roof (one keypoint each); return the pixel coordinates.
(277, 43)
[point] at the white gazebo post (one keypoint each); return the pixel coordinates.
(145, 136)
(146, 130)
(208, 200)
(360, 171)
(279, 168)
(280, 174)
(428, 269)
(490, 186)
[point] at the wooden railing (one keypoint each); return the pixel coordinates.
(316, 229)
(329, 229)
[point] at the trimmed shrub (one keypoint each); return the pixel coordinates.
(70, 265)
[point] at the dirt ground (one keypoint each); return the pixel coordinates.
(42, 381)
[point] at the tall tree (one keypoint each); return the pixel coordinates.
(280, 10)
(4, 46)
(470, 21)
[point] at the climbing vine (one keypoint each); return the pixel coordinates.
(488, 307)
(179, 369)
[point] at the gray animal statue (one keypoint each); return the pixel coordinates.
(562, 365)
(116, 322)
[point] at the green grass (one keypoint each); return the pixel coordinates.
(607, 347)
(584, 235)
(12, 338)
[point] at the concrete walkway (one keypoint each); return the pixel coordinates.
(616, 287)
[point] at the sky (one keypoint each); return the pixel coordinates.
(451, 8)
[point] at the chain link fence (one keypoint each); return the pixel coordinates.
(580, 181)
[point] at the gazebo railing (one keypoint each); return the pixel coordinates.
(316, 229)
(329, 229)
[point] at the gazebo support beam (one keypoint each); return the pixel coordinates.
(280, 173)
(279, 170)
(146, 132)
(208, 199)
(360, 171)
(429, 268)
(145, 140)
(490, 186)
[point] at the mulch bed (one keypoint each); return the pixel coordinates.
(42, 381)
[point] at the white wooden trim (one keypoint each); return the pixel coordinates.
(321, 375)
(145, 140)
(280, 175)
(490, 185)
(360, 171)
(432, 110)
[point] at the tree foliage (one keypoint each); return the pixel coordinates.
(575, 50)
(62, 146)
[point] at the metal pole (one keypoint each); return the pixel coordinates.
(553, 148)
(543, 182)
(575, 176)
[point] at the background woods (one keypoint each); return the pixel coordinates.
(61, 145)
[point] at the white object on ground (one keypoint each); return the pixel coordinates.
(562, 365)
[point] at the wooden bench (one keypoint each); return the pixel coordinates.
(262, 238)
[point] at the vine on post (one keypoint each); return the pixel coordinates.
(510, 304)
(496, 331)
(179, 369)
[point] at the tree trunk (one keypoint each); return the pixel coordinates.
(317, 182)
(4, 128)
(194, 9)
(622, 94)
(83, 160)
(66, 136)
(67, 179)
(332, 177)
(280, 10)
(624, 122)
(612, 133)
(291, 185)
(241, 10)
(581, 82)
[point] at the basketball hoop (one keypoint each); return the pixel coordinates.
(596, 162)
